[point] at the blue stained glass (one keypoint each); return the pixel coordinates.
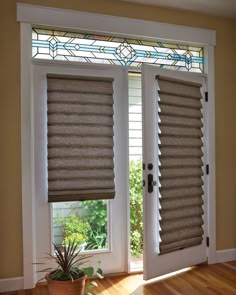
(83, 47)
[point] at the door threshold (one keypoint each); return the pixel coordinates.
(136, 265)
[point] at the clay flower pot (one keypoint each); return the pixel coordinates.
(75, 287)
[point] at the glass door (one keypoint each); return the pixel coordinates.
(174, 194)
(96, 224)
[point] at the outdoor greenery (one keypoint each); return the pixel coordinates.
(74, 229)
(136, 208)
(89, 226)
(95, 212)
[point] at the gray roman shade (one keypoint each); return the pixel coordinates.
(80, 138)
(180, 164)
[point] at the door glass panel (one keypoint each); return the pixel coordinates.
(85, 222)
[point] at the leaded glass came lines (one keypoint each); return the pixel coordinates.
(82, 47)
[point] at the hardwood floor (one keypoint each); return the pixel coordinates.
(217, 279)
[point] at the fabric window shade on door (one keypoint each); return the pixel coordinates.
(180, 164)
(80, 138)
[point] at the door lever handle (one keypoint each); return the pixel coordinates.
(151, 183)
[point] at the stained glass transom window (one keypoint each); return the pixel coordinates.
(89, 48)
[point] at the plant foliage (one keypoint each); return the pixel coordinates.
(88, 227)
(70, 261)
(95, 212)
(75, 229)
(136, 208)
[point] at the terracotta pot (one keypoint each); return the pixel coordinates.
(75, 287)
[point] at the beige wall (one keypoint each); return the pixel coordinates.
(10, 162)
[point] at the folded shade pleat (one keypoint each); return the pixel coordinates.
(176, 224)
(65, 108)
(80, 163)
(82, 195)
(178, 245)
(179, 87)
(74, 130)
(79, 84)
(82, 119)
(79, 175)
(179, 141)
(180, 182)
(180, 192)
(180, 162)
(178, 111)
(166, 173)
(91, 152)
(181, 234)
(79, 98)
(184, 212)
(80, 141)
(178, 203)
(181, 151)
(172, 99)
(180, 131)
(178, 121)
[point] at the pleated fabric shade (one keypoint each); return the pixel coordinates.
(180, 164)
(80, 138)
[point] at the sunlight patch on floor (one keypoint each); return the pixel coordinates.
(169, 275)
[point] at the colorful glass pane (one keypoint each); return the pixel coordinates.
(83, 47)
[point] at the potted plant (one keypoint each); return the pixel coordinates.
(69, 277)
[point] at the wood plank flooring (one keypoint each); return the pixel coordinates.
(217, 279)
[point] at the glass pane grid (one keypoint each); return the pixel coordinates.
(88, 48)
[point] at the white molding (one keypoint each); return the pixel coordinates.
(211, 194)
(91, 22)
(12, 284)
(225, 255)
(27, 159)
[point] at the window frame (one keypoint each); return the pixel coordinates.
(29, 15)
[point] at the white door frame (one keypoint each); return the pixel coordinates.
(30, 14)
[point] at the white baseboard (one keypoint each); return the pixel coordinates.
(225, 255)
(11, 284)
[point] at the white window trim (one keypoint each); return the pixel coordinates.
(30, 15)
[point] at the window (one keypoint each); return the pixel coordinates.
(89, 48)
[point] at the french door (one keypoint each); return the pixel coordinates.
(184, 177)
(174, 178)
(113, 258)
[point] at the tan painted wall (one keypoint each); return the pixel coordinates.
(10, 153)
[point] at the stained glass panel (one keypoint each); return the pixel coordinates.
(83, 47)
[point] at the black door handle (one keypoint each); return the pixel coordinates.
(150, 183)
